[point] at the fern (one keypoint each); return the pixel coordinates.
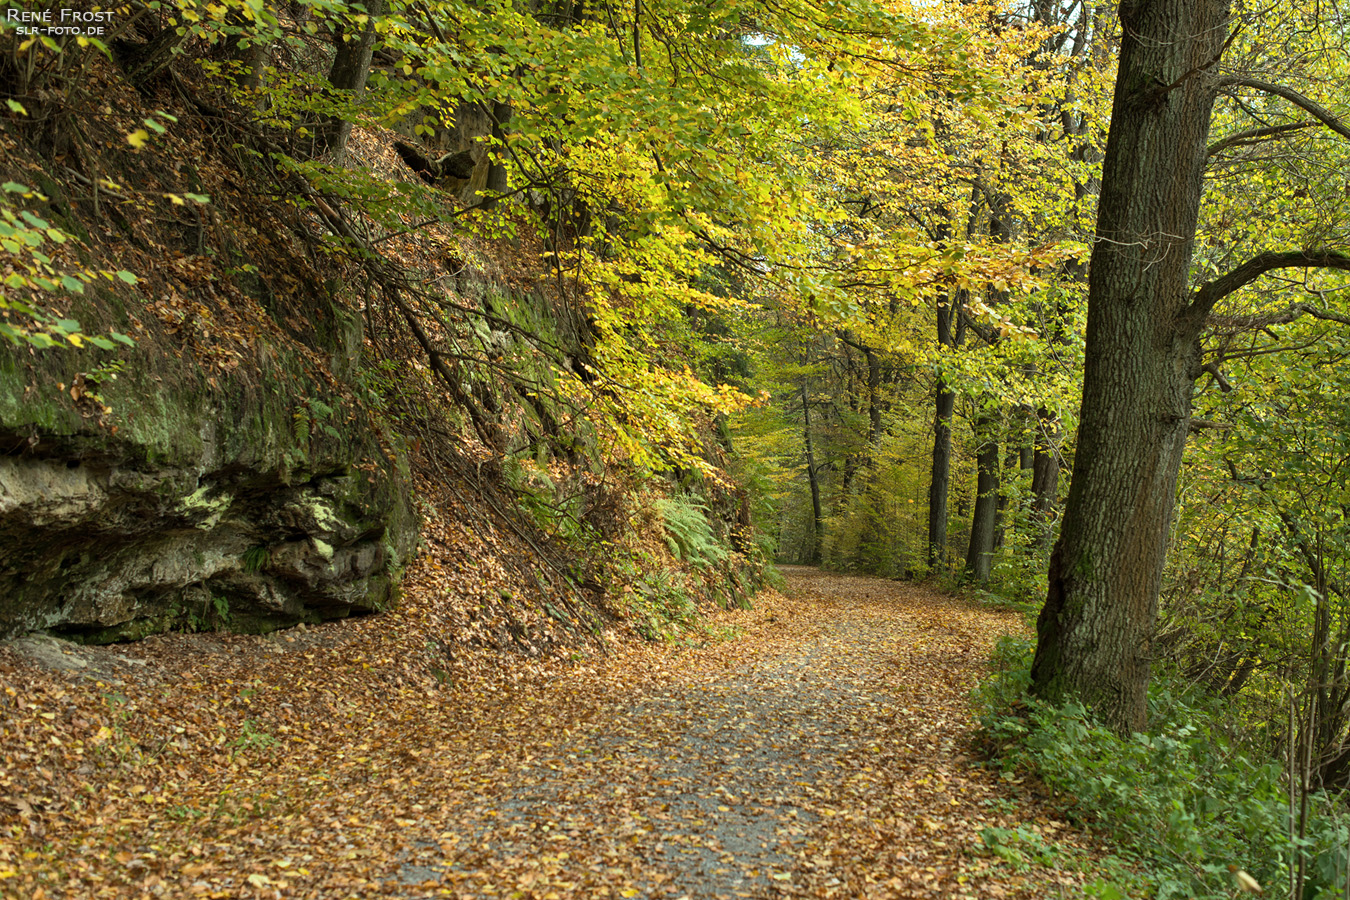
(688, 532)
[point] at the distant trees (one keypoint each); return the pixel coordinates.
(947, 273)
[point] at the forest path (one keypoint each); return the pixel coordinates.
(828, 760)
(822, 753)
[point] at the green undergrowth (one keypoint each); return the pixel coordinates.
(1187, 805)
(669, 604)
(664, 592)
(689, 534)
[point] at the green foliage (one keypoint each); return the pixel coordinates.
(1254, 605)
(771, 466)
(688, 532)
(1021, 847)
(660, 606)
(556, 508)
(256, 559)
(879, 526)
(312, 416)
(1011, 666)
(663, 601)
(212, 614)
(28, 241)
(1186, 804)
(774, 578)
(1019, 577)
(251, 737)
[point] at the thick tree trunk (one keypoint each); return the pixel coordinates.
(984, 522)
(1142, 358)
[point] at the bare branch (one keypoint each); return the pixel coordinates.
(1206, 295)
(1283, 317)
(1319, 112)
(1254, 134)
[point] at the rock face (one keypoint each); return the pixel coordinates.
(176, 496)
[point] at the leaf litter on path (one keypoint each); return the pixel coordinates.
(821, 753)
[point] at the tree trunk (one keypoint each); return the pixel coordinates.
(873, 403)
(497, 182)
(351, 68)
(1045, 475)
(984, 522)
(248, 46)
(255, 59)
(143, 62)
(813, 548)
(944, 403)
(1143, 351)
(1017, 462)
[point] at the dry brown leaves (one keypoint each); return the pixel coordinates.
(819, 754)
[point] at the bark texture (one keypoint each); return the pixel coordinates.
(1142, 358)
(350, 70)
(949, 334)
(984, 522)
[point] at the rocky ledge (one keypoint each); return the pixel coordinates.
(178, 497)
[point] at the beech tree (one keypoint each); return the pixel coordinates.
(1145, 321)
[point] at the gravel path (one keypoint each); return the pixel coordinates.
(827, 762)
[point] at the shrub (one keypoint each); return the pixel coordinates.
(1187, 805)
(689, 535)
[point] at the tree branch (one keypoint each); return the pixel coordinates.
(1217, 375)
(987, 334)
(1253, 134)
(1319, 112)
(843, 336)
(1284, 317)
(1206, 295)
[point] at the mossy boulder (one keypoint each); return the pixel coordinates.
(155, 488)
